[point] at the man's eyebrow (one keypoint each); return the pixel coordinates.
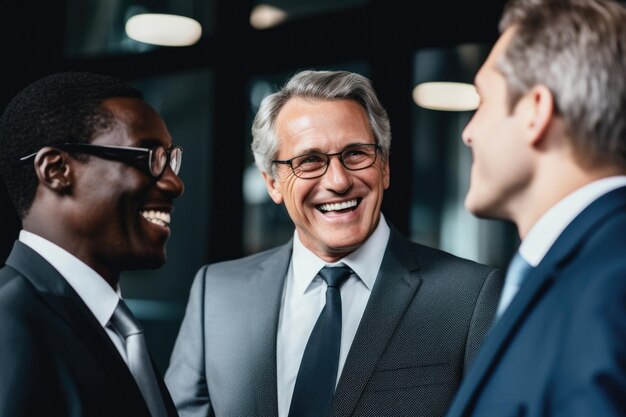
(308, 151)
(317, 150)
(150, 143)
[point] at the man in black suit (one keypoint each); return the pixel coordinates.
(92, 172)
(400, 332)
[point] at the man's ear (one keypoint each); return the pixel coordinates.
(540, 107)
(386, 174)
(273, 188)
(53, 170)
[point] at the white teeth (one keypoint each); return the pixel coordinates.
(161, 218)
(338, 206)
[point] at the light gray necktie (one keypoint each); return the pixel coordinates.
(138, 359)
(518, 269)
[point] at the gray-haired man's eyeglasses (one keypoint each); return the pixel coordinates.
(152, 161)
(315, 164)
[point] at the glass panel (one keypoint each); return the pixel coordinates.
(96, 27)
(266, 224)
(442, 166)
(158, 297)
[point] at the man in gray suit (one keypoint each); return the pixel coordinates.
(347, 318)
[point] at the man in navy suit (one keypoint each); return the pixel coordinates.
(549, 147)
(92, 172)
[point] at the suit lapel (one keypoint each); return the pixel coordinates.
(394, 289)
(538, 281)
(498, 339)
(165, 393)
(267, 285)
(54, 290)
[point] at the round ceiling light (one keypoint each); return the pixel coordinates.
(447, 96)
(163, 29)
(264, 16)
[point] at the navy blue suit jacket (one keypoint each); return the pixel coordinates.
(560, 348)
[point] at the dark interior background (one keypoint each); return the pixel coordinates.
(209, 92)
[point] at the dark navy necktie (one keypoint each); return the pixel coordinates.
(317, 376)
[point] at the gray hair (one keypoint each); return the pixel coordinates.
(318, 85)
(576, 48)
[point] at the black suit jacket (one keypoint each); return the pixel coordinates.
(425, 318)
(56, 360)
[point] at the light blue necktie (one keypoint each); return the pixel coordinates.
(518, 269)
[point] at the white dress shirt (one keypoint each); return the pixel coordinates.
(92, 288)
(304, 297)
(549, 227)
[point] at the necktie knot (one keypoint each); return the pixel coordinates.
(138, 358)
(335, 276)
(124, 321)
(517, 271)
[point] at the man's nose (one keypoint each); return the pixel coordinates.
(337, 178)
(171, 183)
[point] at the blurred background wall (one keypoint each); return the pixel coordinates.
(208, 94)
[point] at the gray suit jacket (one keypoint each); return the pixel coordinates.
(425, 319)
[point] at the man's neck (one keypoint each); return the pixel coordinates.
(73, 247)
(552, 185)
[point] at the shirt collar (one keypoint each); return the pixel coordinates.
(548, 228)
(365, 261)
(92, 288)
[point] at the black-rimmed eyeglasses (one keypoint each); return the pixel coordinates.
(152, 161)
(315, 164)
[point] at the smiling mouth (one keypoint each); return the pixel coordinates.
(162, 218)
(343, 206)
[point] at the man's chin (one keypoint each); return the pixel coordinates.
(146, 262)
(474, 205)
(340, 249)
(484, 211)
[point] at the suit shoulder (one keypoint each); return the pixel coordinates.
(236, 266)
(600, 255)
(437, 258)
(15, 290)
(20, 309)
(8, 276)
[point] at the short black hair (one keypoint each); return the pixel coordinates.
(63, 107)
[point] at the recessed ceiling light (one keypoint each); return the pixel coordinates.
(163, 29)
(447, 96)
(265, 16)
